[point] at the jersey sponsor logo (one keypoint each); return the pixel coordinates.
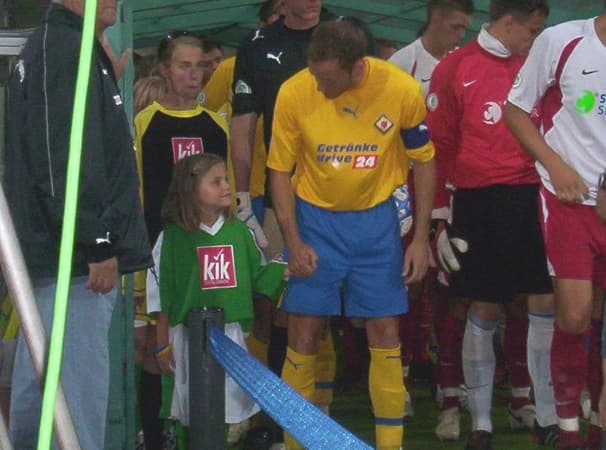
(352, 111)
(365, 161)
(586, 102)
(217, 269)
(242, 88)
(589, 72)
(492, 113)
(432, 101)
(344, 153)
(274, 56)
(20, 68)
(186, 146)
(591, 102)
(469, 83)
(383, 124)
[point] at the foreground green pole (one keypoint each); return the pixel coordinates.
(69, 225)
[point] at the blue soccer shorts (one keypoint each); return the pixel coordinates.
(360, 261)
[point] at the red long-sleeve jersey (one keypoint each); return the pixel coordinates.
(466, 98)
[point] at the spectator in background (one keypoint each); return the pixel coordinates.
(212, 57)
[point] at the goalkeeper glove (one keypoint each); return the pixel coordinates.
(245, 214)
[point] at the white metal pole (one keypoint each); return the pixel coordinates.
(20, 288)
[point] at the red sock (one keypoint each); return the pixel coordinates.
(514, 348)
(569, 359)
(407, 334)
(594, 374)
(594, 437)
(450, 341)
(351, 351)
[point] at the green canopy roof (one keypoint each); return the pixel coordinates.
(229, 21)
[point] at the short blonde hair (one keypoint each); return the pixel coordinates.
(147, 90)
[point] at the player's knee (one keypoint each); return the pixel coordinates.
(575, 322)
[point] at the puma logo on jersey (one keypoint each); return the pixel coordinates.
(20, 67)
(272, 56)
(217, 266)
(294, 364)
(257, 35)
(104, 240)
(353, 112)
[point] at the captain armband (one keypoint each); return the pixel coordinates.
(416, 137)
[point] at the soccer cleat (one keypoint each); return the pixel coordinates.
(278, 446)
(570, 440)
(449, 425)
(585, 402)
(545, 436)
(258, 438)
(237, 431)
(140, 441)
(409, 411)
(479, 440)
(522, 417)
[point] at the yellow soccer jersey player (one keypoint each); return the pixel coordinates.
(354, 148)
(218, 90)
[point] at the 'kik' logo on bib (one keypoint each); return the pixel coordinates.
(186, 146)
(217, 267)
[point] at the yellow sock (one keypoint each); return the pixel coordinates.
(387, 394)
(299, 372)
(257, 348)
(326, 367)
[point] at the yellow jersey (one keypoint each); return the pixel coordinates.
(218, 89)
(218, 96)
(350, 153)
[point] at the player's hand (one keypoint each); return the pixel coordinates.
(568, 185)
(245, 214)
(166, 361)
(403, 207)
(447, 247)
(302, 260)
(102, 276)
(416, 261)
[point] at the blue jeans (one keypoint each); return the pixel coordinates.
(84, 370)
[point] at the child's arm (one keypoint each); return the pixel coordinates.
(268, 278)
(164, 350)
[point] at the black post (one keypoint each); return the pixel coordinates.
(206, 383)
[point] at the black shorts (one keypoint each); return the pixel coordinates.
(506, 253)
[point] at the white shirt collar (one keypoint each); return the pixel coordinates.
(491, 44)
(214, 229)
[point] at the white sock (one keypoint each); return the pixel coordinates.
(540, 335)
(478, 369)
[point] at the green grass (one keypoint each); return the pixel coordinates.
(352, 409)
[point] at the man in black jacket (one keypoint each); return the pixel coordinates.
(110, 232)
